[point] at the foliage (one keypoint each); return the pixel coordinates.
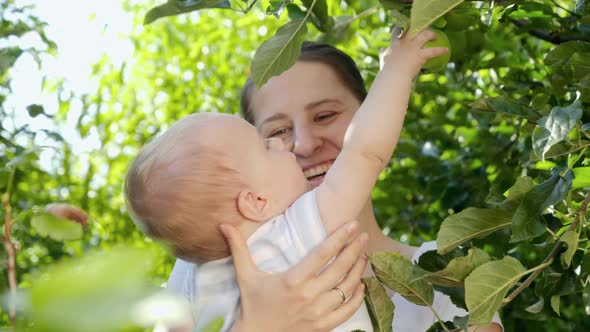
(492, 163)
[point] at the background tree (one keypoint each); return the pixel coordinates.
(509, 112)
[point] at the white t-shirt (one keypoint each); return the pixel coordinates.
(410, 317)
(275, 246)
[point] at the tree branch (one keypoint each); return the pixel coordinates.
(11, 259)
(554, 252)
(549, 36)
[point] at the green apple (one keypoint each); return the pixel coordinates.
(439, 63)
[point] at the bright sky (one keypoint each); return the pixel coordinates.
(84, 31)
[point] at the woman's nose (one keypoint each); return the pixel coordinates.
(275, 143)
(305, 142)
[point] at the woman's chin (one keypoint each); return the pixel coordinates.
(316, 181)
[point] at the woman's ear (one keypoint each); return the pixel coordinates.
(254, 206)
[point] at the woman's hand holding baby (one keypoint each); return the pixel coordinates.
(303, 298)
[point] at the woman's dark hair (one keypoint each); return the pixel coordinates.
(340, 62)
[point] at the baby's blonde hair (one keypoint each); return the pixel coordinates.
(179, 189)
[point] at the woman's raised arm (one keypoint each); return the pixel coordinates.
(305, 297)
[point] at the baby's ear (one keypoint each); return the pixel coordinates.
(254, 206)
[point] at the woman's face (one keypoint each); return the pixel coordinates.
(309, 108)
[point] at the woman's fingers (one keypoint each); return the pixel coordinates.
(313, 263)
(332, 299)
(343, 263)
(336, 317)
(243, 262)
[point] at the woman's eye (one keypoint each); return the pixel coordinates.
(324, 116)
(279, 132)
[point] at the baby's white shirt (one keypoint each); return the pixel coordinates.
(275, 246)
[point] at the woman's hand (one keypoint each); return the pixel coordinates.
(301, 298)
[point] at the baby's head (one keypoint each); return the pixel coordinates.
(209, 169)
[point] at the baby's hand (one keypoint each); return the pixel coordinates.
(407, 55)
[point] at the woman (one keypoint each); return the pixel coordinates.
(310, 107)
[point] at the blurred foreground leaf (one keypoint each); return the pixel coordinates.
(175, 7)
(94, 294)
(56, 228)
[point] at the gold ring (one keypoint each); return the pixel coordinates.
(341, 294)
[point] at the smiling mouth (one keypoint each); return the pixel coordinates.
(317, 171)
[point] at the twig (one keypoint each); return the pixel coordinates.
(11, 260)
(360, 15)
(538, 269)
(10, 251)
(556, 249)
(552, 37)
(565, 9)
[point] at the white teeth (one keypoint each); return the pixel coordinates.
(323, 168)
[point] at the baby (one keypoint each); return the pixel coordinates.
(209, 169)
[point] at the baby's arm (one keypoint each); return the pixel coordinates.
(373, 133)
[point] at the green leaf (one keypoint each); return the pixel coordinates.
(320, 13)
(560, 149)
(95, 293)
(582, 178)
(275, 7)
(504, 105)
(555, 283)
(176, 7)
(8, 57)
(523, 185)
(26, 156)
(468, 224)
(458, 269)
(487, 285)
(555, 300)
(562, 52)
(56, 228)
(555, 127)
(380, 305)
(278, 53)
(461, 322)
(295, 13)
(215, 325)
(526, 222)
(397, 273)
(431, 261)
(437, 326)
(456, 294)
(516, 193)
(393, 4)
(425, 12)
(570, 238)
(536, 307)
(35, 109)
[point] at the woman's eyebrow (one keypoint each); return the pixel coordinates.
(318, 103)
(274, 117)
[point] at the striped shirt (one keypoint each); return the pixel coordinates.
(275, 246)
